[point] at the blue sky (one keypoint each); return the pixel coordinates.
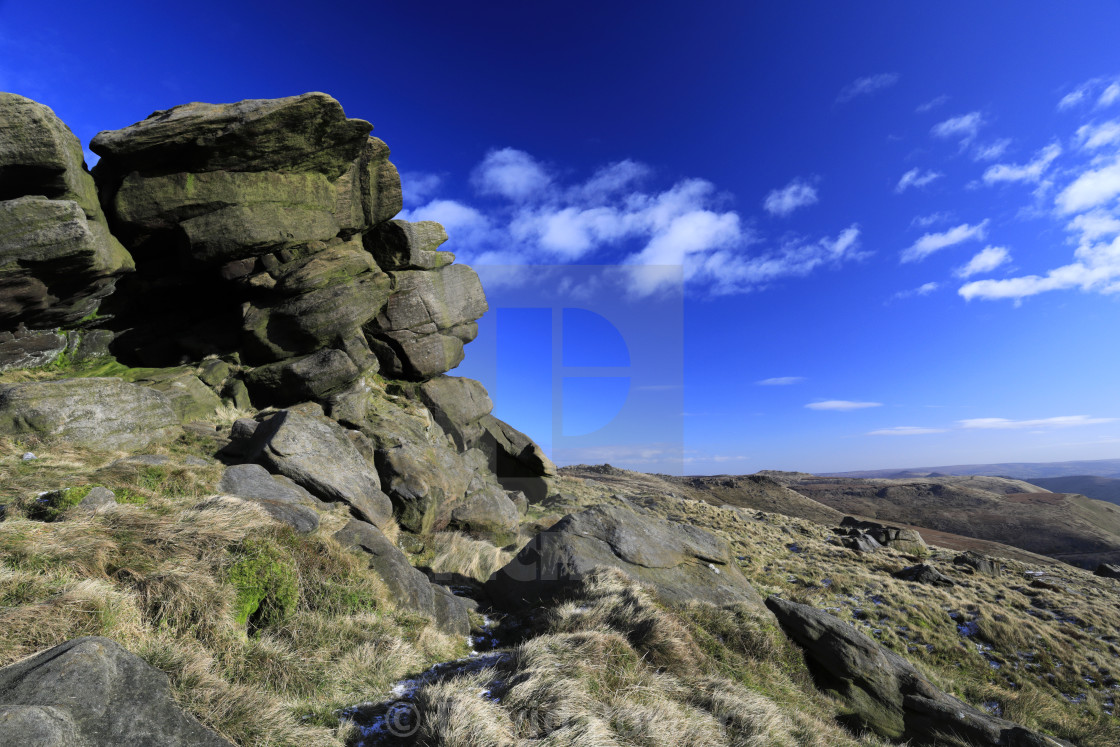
(895, 226)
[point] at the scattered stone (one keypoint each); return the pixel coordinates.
(924, 574)
(28, 456)
(91, 691)
(1107, 571)
(672, 558)
(98, 413)
(896, 538)
(887, 694)
(98, 497)
(979, 563)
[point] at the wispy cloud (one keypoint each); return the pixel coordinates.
(1092, 188)
(798, 193)
(933, 242)
(781, 381)
(964, 128)
(1092, 136)
(1109, 96)
(986, 260)
(932, 104)
(916, 178)
(991, 151)
(418, 187)
(1062, 421)
(906, 430)
(925, 221)
(866, 86)
(922, 290)
(842, 405)
(1030, 172)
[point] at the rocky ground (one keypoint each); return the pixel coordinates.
(242, 502)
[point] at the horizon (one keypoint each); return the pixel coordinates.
(896, 230)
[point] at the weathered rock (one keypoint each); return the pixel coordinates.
(307, 133)
(189, 397)
(979, 563)
(520, 501)
(886, 692)
(401, 245)
(309, 378)
(31, 348)
(98, 413)
(518, 462)
(860, 542)
(924, 574)
(379, 182)
(213, 372)
(56, 264)
(98, 497)
(681, 562)
(896, 538)
(428, 318)
(314, 451)
(458, 405)
(1106, 570)
(90, 691)
(486, 511)
(334, 264)
(410, 588)
(237, 393)
(283, 499)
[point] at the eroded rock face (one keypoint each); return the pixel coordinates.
(103, 414)
(1107, 571)
(58, 259)
(979, 563)
(91, 691)
(681, 562)
(886, 692)
(896, 538)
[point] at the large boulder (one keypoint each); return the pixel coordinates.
(886, 692)
(320, 456)
(284, 500)
(896, 538)
(189, 397)
(1106, 570)
(517, 461)
(924, 574)
(409, 587)
(979, 563)
(312, 377)
(97, 413)
(91, 692)
(457, 404)
(681, 562)
(427, 320)
(57, 257)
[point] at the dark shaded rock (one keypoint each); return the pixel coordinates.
(104, 414)
(924, 574)
(236, 392)
(979, 563)
(860, 542)
(307, 133)
(427, 320)
(400, 245)
(213, 372)
(315, 451)
(284, 500)
(519, 501)
(30, 349)
(91, 691)
(886, 692)
(518, 462)
(98, 497)
(312, 377)
(410, 588)
(681, 562)
(458, 405)
(1106, 570)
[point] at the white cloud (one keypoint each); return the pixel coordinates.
(1063, 421)
(915, 178)
(611, 179)
(931, 104)
(781, 381)
(842, 405)
(867, 86)
(1090, 189)
(933, 242)
(905, 430)
(925, 221)
(510, 173)
(963, 127)
(798, 193)
(1072, 98)
(466, 226)
(1109, 96)
(991, 151)
(986, 260)
(1093, 136)
(418, 187)
(1095, 225)
(1031, 172)
(922, 290)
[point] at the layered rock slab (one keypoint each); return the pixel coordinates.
(681, 562)
(90, 692)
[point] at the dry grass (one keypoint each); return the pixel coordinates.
(453, 552)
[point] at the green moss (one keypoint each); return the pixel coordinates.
(53, 505)
(266, 583)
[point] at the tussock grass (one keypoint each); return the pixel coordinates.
(162, 579)
(454, 552)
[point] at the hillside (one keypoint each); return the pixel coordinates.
(1016, 470)
(1098, 488)
(242, 502)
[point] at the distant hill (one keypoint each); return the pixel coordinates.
(1099, 488)
(1016, 470)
